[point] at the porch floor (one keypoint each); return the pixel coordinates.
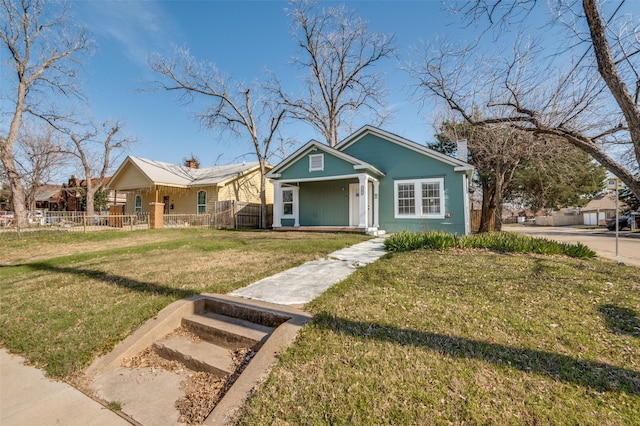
(352, 229)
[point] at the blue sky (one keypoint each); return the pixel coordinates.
(243, 38)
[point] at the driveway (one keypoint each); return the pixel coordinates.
(600, 240)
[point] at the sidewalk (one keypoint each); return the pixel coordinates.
(27, 397)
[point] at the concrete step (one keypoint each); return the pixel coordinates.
(196, 355)
(225, 331)
(245, 311)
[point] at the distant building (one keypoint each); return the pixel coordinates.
(72, 194)
(601, 208)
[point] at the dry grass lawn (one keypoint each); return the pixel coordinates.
(66, 298)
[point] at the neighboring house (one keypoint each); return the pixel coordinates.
(47, 197)
(185, 189)
(371, 181)
(72, 194)
(601, 208)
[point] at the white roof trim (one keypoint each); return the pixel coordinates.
(324, 178)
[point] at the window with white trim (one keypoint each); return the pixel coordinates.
(419, 198)
(287, 202)
(202, 202)
(138, 203)
(316, 162)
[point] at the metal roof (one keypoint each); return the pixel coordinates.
(176, 175)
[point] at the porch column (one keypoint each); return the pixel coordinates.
(363, 190)
(467, 208)
(277, 204)
(376, 204)
(296, 206)
(156, 215)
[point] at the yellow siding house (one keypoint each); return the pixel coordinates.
(186, 189)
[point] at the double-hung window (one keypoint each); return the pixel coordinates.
(138, 203)
(287, 202)
(419, 198)
(202, 202)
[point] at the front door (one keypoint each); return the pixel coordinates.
(165, 200)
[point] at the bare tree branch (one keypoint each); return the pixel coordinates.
(43, 48)
(340, 55)
(233, 107)
(578, 93)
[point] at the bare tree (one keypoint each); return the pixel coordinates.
(42, 48)
(94, 148)
(585, 92)
(38, 158)
(496, 152)
(340, 55)
(236, 107)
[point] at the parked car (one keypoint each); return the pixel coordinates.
(6, 218)
(624, 222)
(36, 217)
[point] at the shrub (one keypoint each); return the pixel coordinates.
(498, 241)
(579, 250)
(404, 241)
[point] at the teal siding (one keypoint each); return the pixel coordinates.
(454, 205)
(333, 166)
(325, 203)
(399, 163)
(288, 222)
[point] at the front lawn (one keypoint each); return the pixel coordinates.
(66, 298)
(465, 337)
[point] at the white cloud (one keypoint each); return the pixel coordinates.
(139, 27)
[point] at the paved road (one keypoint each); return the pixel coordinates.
(601, 241)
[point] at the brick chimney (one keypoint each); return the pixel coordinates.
(191, 164)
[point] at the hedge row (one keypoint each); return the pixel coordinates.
(498, 241)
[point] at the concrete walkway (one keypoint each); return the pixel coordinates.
(27, 397)
(304, 283)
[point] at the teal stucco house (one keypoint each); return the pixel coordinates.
(374, 182)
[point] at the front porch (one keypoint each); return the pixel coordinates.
(351, 229)
(337, 204)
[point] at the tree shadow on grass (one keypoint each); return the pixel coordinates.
(591, 374)
(120, 281)
(621, 320)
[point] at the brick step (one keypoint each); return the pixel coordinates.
(196, 355)
(225, 331)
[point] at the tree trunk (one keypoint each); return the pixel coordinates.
(488, 207)
(263, 195)
(608, 71)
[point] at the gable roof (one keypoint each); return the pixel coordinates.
(366, 130)
(603, 201)
(315, 145)
(338, 151)
(167, 174)
(47, 192)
